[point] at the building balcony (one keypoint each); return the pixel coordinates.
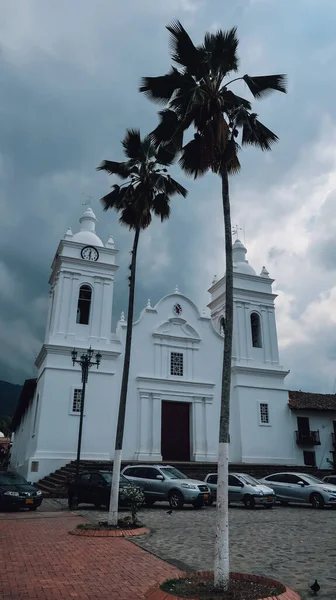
(308, 439)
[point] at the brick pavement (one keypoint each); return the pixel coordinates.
(291, 544)
(39, 560)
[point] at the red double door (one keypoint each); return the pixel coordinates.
(175, 431)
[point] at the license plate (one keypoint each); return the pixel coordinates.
(270, 498)
(206, 496)
(29, 501)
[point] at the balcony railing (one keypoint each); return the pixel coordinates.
(308, 439)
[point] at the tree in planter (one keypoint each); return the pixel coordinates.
(197, 94)
(146, 191)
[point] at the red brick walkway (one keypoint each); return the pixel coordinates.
(39, 560)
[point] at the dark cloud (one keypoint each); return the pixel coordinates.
(69, 79)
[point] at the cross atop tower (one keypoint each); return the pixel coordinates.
(235, 231)
(87, 202)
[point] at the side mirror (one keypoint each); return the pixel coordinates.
(159, 477)
(302, 483)
(241, 484)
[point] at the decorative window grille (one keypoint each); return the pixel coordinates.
(77, 400)
(264, 414)
(176, 364)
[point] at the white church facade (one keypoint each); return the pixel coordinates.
(175, 375)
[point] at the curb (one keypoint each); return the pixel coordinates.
(109, 532)
(155, 593)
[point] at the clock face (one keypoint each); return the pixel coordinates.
(89, 253)
(177, 309)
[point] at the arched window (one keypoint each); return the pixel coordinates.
(84, 305)
(256, 330)
(222, 325)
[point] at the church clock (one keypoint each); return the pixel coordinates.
(89, 253)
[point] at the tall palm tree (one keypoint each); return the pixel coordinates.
(196, 94)
(146, 191)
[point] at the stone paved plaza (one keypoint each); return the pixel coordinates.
(292, 544)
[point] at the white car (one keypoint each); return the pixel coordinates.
(243, 488)
(301, 488)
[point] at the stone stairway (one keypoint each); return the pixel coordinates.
(55, 484)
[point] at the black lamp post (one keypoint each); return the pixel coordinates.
(85, 362)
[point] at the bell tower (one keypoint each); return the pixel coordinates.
(81, 288)
(255, 340)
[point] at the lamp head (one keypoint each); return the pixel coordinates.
(74, 355)
(98, 359)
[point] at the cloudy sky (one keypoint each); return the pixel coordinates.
(69, 73)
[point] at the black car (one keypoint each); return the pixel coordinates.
(94, 487)
(16, 492)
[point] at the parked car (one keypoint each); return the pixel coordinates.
(301, 488)
(330, 479)
(161, 482)
(243, 488)
(94, 487)
(16, 492)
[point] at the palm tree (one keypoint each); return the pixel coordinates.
(195, 94)
(146, 191)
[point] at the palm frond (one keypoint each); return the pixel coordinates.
(117, 198)
(122, 169)
(232, 101)
(195, 160)
(169, 131)
(160, 89)
(257, 134)
(161, 206)
(133, 218)
(168, 185)
(230, 158)
(183, 51)
(132, 144)
(166, 155)
(220, 51)
(264, 85)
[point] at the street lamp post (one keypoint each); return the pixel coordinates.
(85, 362)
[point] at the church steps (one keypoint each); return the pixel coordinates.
(55, 484)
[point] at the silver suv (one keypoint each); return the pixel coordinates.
(243, 488)
(163, 482)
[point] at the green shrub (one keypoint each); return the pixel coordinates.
(134, 497)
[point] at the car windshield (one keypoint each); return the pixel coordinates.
(9, 478)
(173, 473)
(249, 479)
(108, 477)
(311, 479)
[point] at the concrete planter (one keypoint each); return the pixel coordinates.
(155, 593)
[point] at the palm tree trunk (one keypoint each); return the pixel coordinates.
(222, 567)
(113, 509)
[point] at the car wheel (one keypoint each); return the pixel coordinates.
(176, 499)
(249, 501)
(33, 508)
(317, 500)
(284, 502)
